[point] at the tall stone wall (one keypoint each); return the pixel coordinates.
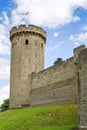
(55, 85)
(82, 89)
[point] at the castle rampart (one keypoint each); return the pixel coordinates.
(54, 73)
(55, 85)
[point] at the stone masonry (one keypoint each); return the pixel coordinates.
(31, 85)
(27, 57)
(82, 89)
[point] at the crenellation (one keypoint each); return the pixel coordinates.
(34, 30)
(22, 27)
(77, 50)
(13, 29)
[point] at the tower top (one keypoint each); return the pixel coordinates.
(30, 29)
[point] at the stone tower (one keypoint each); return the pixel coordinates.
(27, 57)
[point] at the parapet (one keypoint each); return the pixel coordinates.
(78, 49)
(30, 29)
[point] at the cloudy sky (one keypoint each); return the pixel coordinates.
(65, 22)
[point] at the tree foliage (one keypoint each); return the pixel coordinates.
(5, 105)
(58, 60)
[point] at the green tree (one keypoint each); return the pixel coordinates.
(58, 61)
(5, 105)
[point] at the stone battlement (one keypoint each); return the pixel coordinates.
(77, 50)
(30, 29)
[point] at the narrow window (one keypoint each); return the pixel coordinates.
(26, 42)
(41, 46)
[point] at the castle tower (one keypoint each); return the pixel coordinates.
(27, 57)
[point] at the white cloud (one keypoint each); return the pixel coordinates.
(4, 49)
(4, 72)
(79, 38)
(4, 93)
(3, 30)
(50, 13)
(6, 19)
(85, 28)
(71, 38)
(76, 43)
(56, 34)
(76, 18)
(54, 47)
(4, 39)
(3, 62)
(82, 37)
(4, 68)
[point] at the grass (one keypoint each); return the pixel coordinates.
(40, 118)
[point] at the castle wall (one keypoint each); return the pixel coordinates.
(82, 90)
(55, 85)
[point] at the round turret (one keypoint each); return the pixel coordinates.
(27, 57)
